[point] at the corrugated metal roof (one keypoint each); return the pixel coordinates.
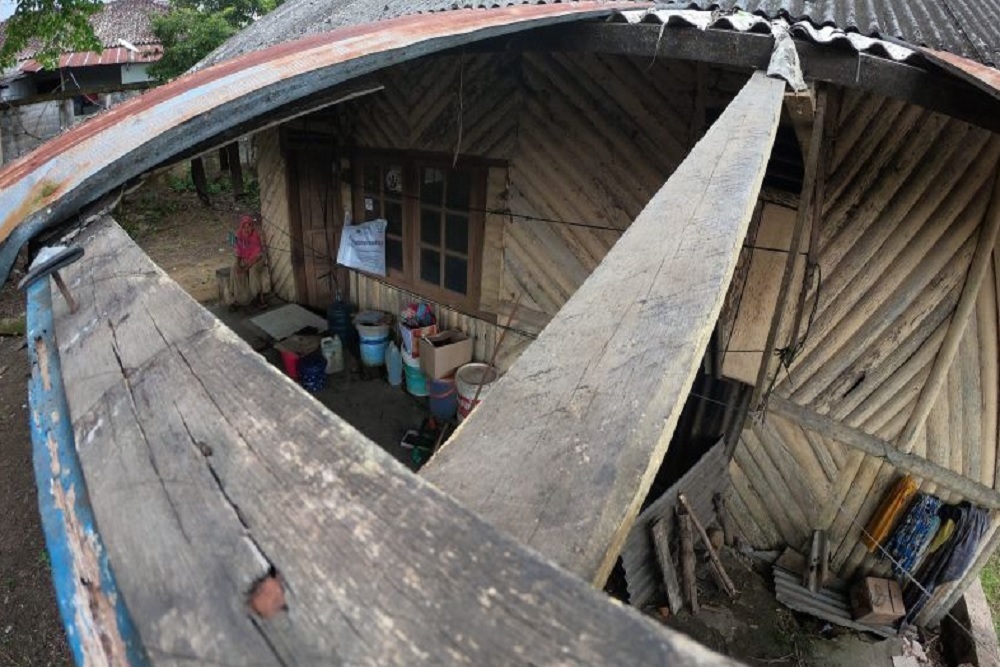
(297, 18)
(114, 56)
(965, 27)
(968, 28)
(743, 22)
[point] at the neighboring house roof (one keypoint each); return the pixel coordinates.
(968, 28)
(117, 21)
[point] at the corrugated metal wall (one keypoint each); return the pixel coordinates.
(906, 192)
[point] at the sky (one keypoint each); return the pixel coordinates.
(7, 8)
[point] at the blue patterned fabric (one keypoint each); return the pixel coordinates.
(913, 533)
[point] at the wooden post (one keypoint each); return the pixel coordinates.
(959, 320)
(802, 223)
(688, 577)
(662, 545)
(235, 168)
(200, 180)
(819, 559)
(727, 583)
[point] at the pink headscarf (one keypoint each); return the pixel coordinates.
(248, 243)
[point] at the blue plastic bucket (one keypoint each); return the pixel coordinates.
(416, 381)
(374, 338)
(443, 398)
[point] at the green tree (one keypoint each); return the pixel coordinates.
(194, 28)
(54, 26)
(187, 35)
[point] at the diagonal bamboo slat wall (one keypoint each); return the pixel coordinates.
(905, 196)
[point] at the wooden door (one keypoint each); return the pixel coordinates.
(318, 221)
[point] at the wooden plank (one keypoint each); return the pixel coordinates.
(662, 544)
(584, 426)
(208, 468)
(878, 448)
(687, 558)
(977, 273)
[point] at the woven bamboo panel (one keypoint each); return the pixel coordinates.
(275, 212)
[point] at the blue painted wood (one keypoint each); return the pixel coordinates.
(71, 536)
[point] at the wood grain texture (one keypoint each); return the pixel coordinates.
(207, 466)
(583, 427)
(274, 212)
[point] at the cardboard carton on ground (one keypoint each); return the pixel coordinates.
(877, 601)
(441, 354)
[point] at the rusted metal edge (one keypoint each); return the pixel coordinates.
(49, 185)
(984, 77)
(98, 627)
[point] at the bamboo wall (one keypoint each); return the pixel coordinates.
(585, 139)
(906, 191)
(274, 212)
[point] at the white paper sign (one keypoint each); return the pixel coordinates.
(362, 247)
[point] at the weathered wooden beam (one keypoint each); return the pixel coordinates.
(881, 449)
(661, 543)
(803, 222)
(978, 269)
(730, 48)
(75, 92)
(584, 418)
(207, 469)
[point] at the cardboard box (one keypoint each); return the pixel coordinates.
(440, 355)
(411, 337)
(877, 601)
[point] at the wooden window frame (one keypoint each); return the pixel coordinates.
(409, 279)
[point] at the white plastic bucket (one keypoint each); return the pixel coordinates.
(467, 380)
(416, 381)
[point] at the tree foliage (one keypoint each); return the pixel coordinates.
(187, 35)
(194, 28)
(53, 26)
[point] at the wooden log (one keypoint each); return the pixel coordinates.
(206, 467)
(725, 521)
(662, 545)
(881, 449)
(688, 563)
(977, 273)
(713, 555)
(577, 465)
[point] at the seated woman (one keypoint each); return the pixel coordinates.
(249, 270)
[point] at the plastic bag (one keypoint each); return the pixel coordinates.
(362, 247)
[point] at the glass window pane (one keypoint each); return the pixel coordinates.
(430, 226)
(394, 254)
(456, 272)
(431, 185)
(456, 233)
(394, 214)
(394, 179)
(459, 189)
(372, 173)
(430, 266)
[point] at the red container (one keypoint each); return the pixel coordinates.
(290, 360)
